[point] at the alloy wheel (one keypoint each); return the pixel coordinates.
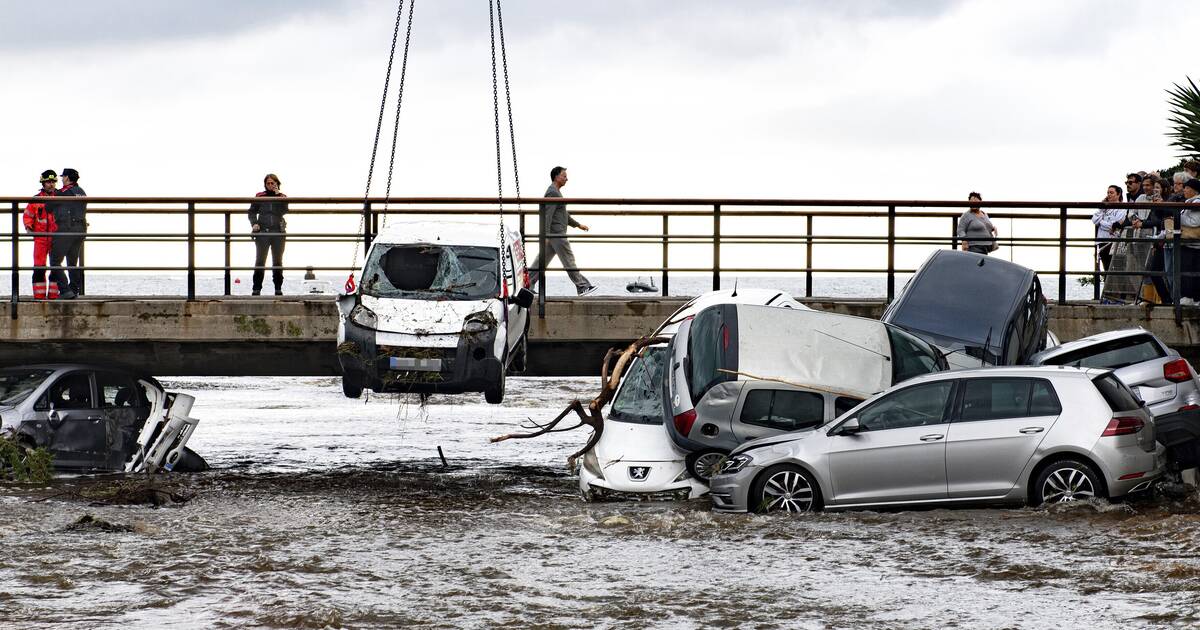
(1067, 484)
(707, 465)
(789, 491)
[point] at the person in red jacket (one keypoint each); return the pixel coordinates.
(39, 220)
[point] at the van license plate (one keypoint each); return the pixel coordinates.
(420, 365)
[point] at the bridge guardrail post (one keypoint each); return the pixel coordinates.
(716, 285)
(808, 263)
(16, 260)
(366, 235)
(1062, 255)
(666, 231)
(891, 243)
(1176, 262)
(191, 273)
(953, 233)
(228, 271)
(541, 270)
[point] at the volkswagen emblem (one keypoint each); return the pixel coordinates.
(639, 473)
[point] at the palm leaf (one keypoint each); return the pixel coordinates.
(1184, 118)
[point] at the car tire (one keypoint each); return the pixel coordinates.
(190, 462)
(1066, 480)
(494, 394)
(351, 388)
(785, 488)
(704, 464)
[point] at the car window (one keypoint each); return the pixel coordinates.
(1115, 393)
(910, 407)
(842, 404)
(911, 356)
(73, 391)
(1044, 401)
(785, 410)
(17, 385)
(117, 390)
(1113, 355)
(995, 398)
(708, 342)
(640, 398)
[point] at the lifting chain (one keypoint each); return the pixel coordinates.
(496, 19)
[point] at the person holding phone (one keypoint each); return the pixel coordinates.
(269, 229)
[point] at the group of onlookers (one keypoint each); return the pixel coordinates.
(1151, 187)
(59, 230)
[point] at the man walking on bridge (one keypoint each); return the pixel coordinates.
(554, 222)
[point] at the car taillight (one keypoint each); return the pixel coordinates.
(1188, 407)
(684, 421)
(1177, 371)
(1123, 425)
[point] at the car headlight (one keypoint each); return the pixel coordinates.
(479, 322)
(592, 465)
(363, 316)
(735, 464)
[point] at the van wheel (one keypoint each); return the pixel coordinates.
(705, 464)
(519, 360)
(352, 389)
(785, 488)
(190, 462)
(495, 393)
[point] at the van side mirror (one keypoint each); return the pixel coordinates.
(849, 427)
(524, 298)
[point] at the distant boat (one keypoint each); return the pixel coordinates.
(640, 286)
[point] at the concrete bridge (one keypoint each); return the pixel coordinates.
(295, 336)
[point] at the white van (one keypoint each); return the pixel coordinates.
(441, 307)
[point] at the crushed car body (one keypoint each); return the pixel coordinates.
(442, 307)
(98, 418)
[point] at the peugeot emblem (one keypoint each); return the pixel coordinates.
(639, 473)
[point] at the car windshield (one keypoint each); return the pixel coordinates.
(17, 385)
(1113, 355)
(432, 272)
(640, 398)
(912, 356)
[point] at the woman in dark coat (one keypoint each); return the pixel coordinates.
(269, 227)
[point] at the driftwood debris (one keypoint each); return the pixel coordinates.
(611, 369)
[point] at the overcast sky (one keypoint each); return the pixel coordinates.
(808, 99)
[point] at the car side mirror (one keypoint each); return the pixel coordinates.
(53, 417)
(524, 298)
(849, 427)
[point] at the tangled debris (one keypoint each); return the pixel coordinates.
(611, 369)
(140, 490)
(89, 522)
(22, 462)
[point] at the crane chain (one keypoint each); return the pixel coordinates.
(499, 160)
(512, 135)
(387, 195)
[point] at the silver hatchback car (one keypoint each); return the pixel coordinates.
(1164, 380)
(999, 435)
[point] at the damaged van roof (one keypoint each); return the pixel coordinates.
(458, 231)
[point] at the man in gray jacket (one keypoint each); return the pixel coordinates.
(554, 222)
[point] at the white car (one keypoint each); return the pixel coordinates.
(635, 458)
(442, 307)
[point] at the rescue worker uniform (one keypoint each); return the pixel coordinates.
(268, 215)
(38, 219)
(71, 218)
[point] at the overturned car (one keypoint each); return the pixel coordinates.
(98, 418)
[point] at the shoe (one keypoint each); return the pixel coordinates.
(1187, 302)
(587, 291)
(256, 292)
(278, 291)
(68, 295)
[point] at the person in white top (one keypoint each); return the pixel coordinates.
(1109, 222)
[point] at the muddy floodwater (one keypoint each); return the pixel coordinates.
(327, 512)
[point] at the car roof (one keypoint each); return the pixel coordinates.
(760, 297)
(457, 231)
(1028, 371)
(109, 367)
(1092, 340)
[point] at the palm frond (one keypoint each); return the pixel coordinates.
(1184, 118)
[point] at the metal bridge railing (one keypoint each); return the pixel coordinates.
(685, 223)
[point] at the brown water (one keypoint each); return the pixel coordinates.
(325, 512)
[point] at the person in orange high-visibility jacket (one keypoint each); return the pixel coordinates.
(39, 220)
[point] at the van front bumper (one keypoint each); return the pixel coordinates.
(468, 366)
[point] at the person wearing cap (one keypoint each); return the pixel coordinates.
(1189, 286)
(40, 222)
(269, 228)
(72, 222)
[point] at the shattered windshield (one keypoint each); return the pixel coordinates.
(17, 385)
(432, 272)
(640, 398)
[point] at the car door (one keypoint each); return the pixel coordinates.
(124, 407)
(900, 454)
(79, 438)
(997, 426)
(767, 409)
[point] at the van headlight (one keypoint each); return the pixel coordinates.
(735, 464)
(482, 321)
(363, 316)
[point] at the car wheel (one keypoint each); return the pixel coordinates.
(494, 394)
(190, 462)
(1066, 480)
(705, 464)
(352, 389)
(785, 488)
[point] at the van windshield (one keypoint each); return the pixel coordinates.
(17, 385)
(424, 271)
(640, 398)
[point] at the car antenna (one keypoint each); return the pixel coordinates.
(885, 357)
(987, 343)
(735, 283)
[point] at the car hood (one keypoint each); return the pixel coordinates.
(422, 317)
(773, 440)
(629, 442)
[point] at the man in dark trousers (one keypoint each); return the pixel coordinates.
(68, 241)
(554, 220)
(269, 228)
